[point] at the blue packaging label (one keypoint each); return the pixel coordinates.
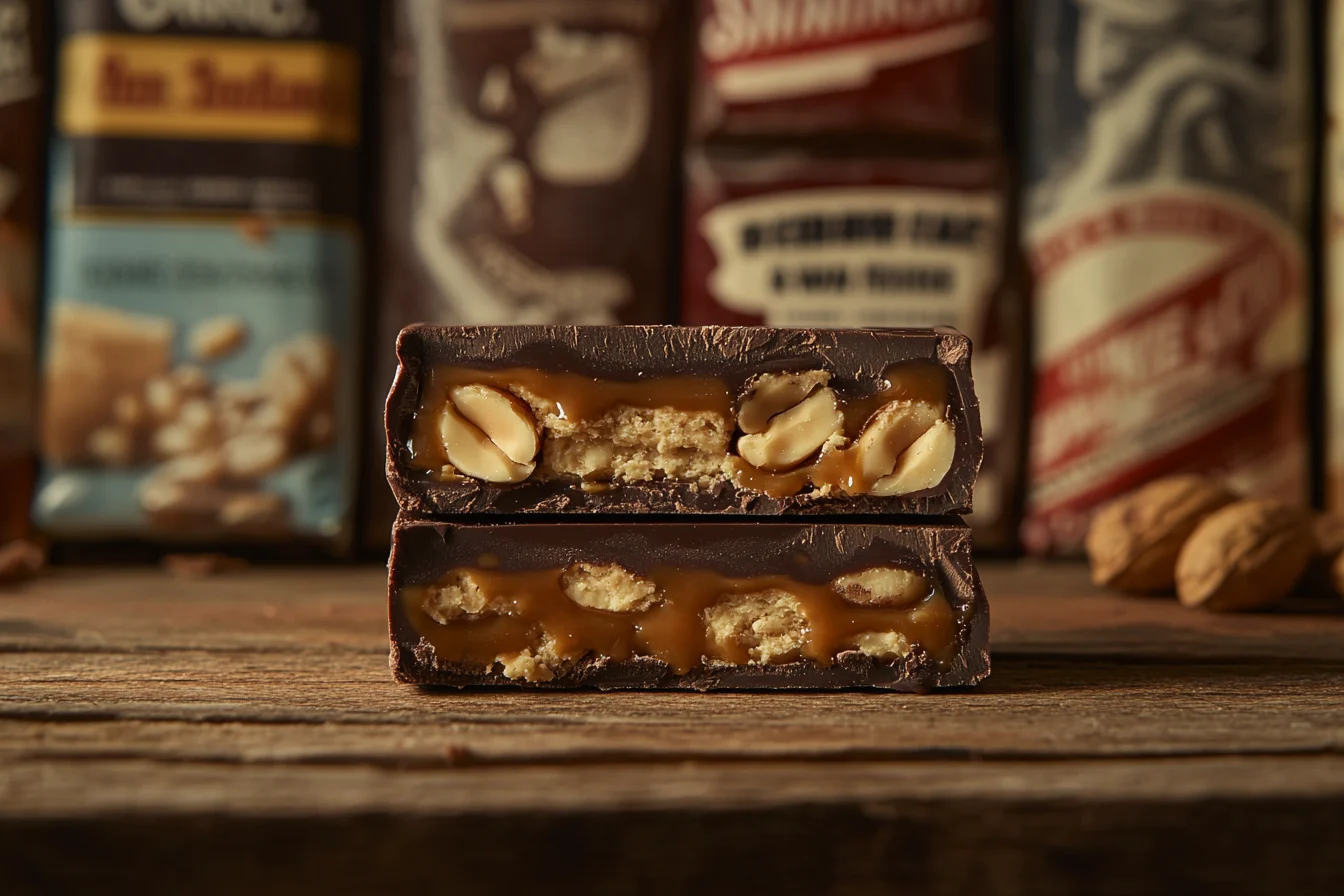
(203, 267)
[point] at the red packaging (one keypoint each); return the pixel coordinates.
(789, 238)
(1168, 156)
(792, 67)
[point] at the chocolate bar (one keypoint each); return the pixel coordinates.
(713, 420)
(755, 605)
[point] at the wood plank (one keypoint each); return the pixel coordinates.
(325, 609)
(939, 827)
(243, 733)
(108, 786)
(1053, 608)
(1031, 708)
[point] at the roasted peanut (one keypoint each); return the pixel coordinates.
(883, 586)
(773, 393)
(924, 464)
(793, 436)
(892, 429)
(489, 434)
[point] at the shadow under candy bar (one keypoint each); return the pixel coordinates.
(706, 420)
(680, 606)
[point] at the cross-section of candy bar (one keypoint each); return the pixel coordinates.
(751, 605)
(709, 420)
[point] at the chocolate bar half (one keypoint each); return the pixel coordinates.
(648, 419)
(750, 605)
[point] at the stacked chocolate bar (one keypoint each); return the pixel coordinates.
(684, 507)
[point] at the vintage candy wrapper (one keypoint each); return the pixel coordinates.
(791, 237)
(204, 264)
(776, 67)
(527, 168)
(22, 139)
(1168, 157)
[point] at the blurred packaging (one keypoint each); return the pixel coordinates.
(1333, 185)
(203, 271)
(792, 238)
(526, 163)
(1168, 167)
(528, 160)
(795, 238)
(783, 67)
(22, 138)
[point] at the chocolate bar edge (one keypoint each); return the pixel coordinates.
(423, 496)
(413, 660)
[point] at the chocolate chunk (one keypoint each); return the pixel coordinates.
(756, 605)
(714, 420)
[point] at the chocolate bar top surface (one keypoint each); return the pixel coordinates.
(766, 555)
(857, 362)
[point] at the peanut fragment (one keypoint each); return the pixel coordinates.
(504, 418)
(218, 337)
(883, 586)
(771, 626)
(607, 586)
(488, 434)
(794, 435)
(460, 595)
(922, 465)
(891, 430)
(254, 454)
(773, 393)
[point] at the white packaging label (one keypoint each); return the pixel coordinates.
(857, 256)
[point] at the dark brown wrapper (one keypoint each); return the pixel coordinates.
(528, 161)
(22, 149)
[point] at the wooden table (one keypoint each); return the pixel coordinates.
(240, 733)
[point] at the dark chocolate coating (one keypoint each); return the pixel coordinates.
(424, 551)
(856, 359)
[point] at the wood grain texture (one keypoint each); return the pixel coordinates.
(159, 726)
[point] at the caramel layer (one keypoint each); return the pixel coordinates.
(673, 629)
(583, 399)
(578, 398)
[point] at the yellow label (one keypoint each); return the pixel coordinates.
(118, 86)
